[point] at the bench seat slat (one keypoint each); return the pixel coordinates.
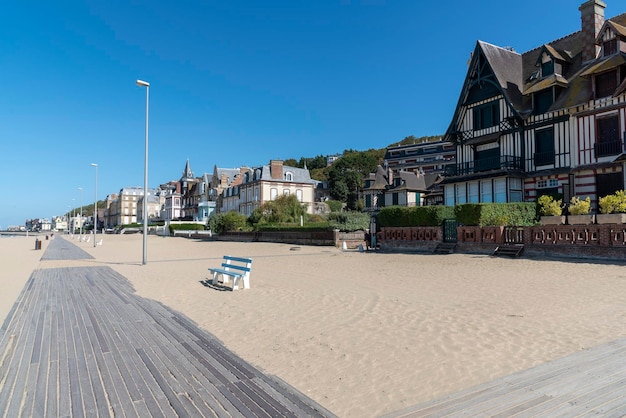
(227, 272)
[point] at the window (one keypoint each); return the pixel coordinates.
(515, 190)
(606, 84)
(448, 192)
(485, 191)
(547, 68)
(544, 146)
(273, 193)
(289, 176)
(486, 115)
(608, 141)
(543, 101)
(500, 190)
(609, 183)
(472, 195)
(299, 195)
(368, 201)
(286, 192)
(609, 47)
(394, 199)
(461, 196)
(487, 157)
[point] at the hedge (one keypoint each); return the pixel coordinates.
(401, 216)
(496, 214)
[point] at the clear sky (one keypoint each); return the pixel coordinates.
(232, 83)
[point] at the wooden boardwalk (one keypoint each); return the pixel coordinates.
(79, 342)
(591, 383)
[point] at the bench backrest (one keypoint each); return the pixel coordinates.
(239, 259)
(228, 263)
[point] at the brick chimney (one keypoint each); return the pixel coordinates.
(276, 169)
(592, 18)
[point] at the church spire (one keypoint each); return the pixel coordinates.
(187, 173)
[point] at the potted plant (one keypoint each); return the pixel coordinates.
(551, 210)
(612, 208)
(579, 211)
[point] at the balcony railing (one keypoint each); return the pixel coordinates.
(608, 148)
(544, 158)
(503, 162)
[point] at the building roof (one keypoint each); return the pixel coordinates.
(516, 74)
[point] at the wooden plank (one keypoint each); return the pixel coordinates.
(100, 349)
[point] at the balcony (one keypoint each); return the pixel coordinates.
(544, 158)
(608, 148)
(503, 162)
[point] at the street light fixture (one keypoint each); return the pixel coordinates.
(145, 84)
(95, 207)
(81, 213)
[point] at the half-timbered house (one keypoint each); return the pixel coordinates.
(548, 121)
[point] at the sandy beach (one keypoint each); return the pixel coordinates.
(365, 334)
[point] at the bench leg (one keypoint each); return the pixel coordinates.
(246, 282)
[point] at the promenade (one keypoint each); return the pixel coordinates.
(79, 342)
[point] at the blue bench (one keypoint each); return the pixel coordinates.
(236, 268)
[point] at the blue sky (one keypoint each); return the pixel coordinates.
(233, 83)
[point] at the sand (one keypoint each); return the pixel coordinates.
(366, 334)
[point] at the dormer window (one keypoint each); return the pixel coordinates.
(606, 84)
(289, 176)
(609, 47)
(547, 68)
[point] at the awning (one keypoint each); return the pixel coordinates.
(485, 139)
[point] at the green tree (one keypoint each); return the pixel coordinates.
(346, 176)
(313, 163)
(290, 162)
(284, 209)
(229, 221)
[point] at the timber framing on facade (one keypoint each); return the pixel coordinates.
(548, 121)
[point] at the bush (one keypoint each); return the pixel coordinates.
(613, 203)
(579, 207)
(496, 214)
(400, 216)
(225, 222)
(349, 221)
(548, 206)
(335, 205)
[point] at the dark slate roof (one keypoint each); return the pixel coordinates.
(515, 71)
(300, 175)
(229, 172)
(411, 182)
(379, 178)
(507, 67)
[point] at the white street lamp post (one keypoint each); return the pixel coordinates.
(145, 84)
(81, 213)
(95, 207)
(73, 216)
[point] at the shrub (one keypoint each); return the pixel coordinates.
(579, 207)
(400, 216)
(496, 214)
(335, 205)
(225, 222)
(613, 203)
(187, 227)
(548, 206)
(349, 221)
